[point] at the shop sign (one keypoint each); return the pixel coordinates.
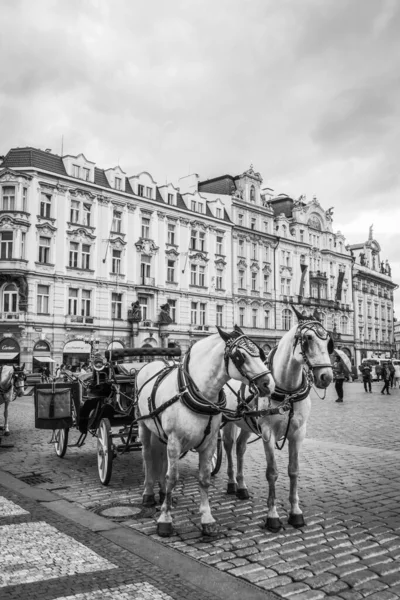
(77, 347)
(9, 345)
(41, 347)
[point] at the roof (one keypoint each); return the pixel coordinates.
(100, 178)
(38, 159)
(218, 185)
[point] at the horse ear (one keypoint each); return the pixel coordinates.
(237, 328)
(297, 313)
(225, 336)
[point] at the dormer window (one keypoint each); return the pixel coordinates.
(219, 213)
(149, 192)
(170, 199)
(252, 194)
(85, 174)
(140, 190)
(9, 198)
(117, 183)
(76, 171)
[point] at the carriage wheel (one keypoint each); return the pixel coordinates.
(61, 441)
(216, 459)
(104, 451)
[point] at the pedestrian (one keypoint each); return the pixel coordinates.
(339, 377)
(386, 379)
(378, 371)
(391, 372)
(58, 369)
(397, 375)
(366, 372)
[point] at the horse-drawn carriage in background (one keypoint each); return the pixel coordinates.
(101, 403)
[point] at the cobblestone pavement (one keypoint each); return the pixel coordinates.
(349, 490)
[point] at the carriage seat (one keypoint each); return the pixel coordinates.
(129, 369)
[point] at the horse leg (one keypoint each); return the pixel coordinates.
(241, 447)
(228, 438)
(164, 523)
(208, 524)
(6, 429)
(145, 437)
(273, 522)
(296, 516)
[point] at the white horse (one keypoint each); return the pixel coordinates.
(12, 384)
(179, 409)
(300, 359)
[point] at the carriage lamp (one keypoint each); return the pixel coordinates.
(98, 362)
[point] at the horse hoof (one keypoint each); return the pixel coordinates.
(297, 521)
(243, 494)
(232, 488)
(6, 433)
(162, 497)
(210, 529)
(273, 524)
(164, 529)
(148, 500)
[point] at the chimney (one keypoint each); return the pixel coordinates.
(48, 150)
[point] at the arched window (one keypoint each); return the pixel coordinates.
(10, 299)
(343, 324)
(252, 194)
(286, 319)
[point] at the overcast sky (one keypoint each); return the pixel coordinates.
(308, 91)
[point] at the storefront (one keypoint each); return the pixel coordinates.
(9, 352)
(42, 357)
(76, 353)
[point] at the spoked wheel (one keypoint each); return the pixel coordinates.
(61, 441)
(104, 451)
(216, 459)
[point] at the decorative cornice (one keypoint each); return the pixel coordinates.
(46, 228)
(145, 246)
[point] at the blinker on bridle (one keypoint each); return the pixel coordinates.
(232, 351)
(320, 332)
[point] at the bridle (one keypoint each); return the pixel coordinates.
(234, 348)
(18, 379)
(300, 338)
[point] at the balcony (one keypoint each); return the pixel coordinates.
(147, 281)
(10, 316)
(79, 320)
(201, 327)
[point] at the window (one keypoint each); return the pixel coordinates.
(25, 199)
(254, 248)
(74, 214)
(240, 219)
(116, 306)
(73, 254)
(343, 324)
(170, 271)
(193, 239)
(193, 274)
(220, 240)
(144, 307)
(10, 299)
(171, 234)
(314, 290)
(9, 197)
(149, 192)
(117, 221)
(377, 335)
(202, 313)
(241, 279)
(43, 295)
(86, 174)
(170, 199)
(86, 214)
(283, 281)
(202, 241)
(252, 194)
(193, 205)
(45, 205)
(193, 313)
(369, 309)
(266, 283)
(219, 213)
(145, 227)
(241, 248)
(6, 245)
(265, 226)
(23, 244)
(72, 301)
(219, 315)
(86, 298)
(254, 317)
(145, 267)
(266, 319)
(202, 276)
(241, 316)
(117, 183)
(76, 171)
(286, 319)
(219, 280)
(140, 190)
(116, 262)
(85, 256)
(172, 312)
(253, 281)
(253, 223)
(200, 207)
(44, 249)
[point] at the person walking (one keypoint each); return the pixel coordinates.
(391, 373)
(367, 376)
(339, 377)
(386, 379)
(397, 375)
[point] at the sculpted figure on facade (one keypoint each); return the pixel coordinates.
(164, 316)
(136, 311)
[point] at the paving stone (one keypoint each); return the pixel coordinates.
(274, 582)
(309, 595)
(289, 590)
(10, 509)
(249, 568)
(392, 579)
(356, 580)
(335, 587)
(256, 576)
(386, 568)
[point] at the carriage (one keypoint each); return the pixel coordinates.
(102, 404)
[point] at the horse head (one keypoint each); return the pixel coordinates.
(314, 344)
(19, 378)
(245, 358)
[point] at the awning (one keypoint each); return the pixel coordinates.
(45, 359)
(8, 355)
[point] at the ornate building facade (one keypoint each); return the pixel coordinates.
(93, 259)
